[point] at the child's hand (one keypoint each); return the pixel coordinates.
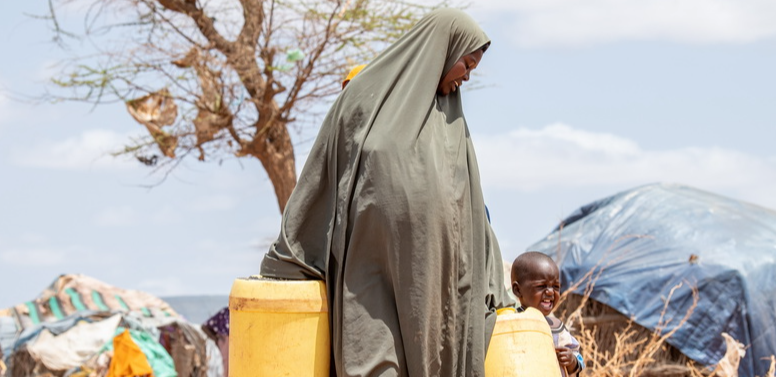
(566, 359)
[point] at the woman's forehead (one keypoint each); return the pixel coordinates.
(477, 54)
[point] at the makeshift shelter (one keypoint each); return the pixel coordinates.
(649, 239)
(73, 293)
(128, 359)
(69, 328)
(68, 349)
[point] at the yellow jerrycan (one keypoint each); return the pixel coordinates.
(521, 346)
(278, 328)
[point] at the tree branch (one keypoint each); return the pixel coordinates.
(304, 74)
(204, 23)
(253, 16)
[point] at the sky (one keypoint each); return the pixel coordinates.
(577, 101)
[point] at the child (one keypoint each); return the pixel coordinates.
(536, 283)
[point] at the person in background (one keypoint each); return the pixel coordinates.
(217, 329)
(536, 283)
(389, 212)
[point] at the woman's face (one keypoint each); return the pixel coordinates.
(459, 73)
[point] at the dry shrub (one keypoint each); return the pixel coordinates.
(614, 345)
(772, 369)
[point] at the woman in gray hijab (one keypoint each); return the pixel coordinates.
(389, 212)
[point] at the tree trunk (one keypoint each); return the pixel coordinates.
(272, 146)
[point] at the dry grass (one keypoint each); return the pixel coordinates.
(772, 369)
(615, 346)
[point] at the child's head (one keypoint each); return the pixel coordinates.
(536, 281)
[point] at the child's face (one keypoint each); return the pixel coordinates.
(540, 289)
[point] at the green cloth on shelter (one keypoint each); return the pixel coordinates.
(160, 360)
(389, 212)
(75, 299)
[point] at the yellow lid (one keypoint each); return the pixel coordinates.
(288, 296)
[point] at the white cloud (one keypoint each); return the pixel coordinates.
(236, 258)
(4, 110)
(116, 217)
(126, 215)
(32, 257)
(561, 156)
(167, 215)
(214, 203)
(580, 23)
(91, 149)
(24, 252)
(33, 238)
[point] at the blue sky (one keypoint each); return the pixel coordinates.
(581, 100)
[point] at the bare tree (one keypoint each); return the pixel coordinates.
(218, 77)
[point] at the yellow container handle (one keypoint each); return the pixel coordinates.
(507, 310)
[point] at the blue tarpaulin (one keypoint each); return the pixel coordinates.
(649, 239)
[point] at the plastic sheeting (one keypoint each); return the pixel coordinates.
(215, 367)
(128, 359)
(654, 237)
(76, 294)
(72, 347)
(55, 328)
(8, 332)
(78, 304)
(161, 361)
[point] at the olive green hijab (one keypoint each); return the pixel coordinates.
(389, 212)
